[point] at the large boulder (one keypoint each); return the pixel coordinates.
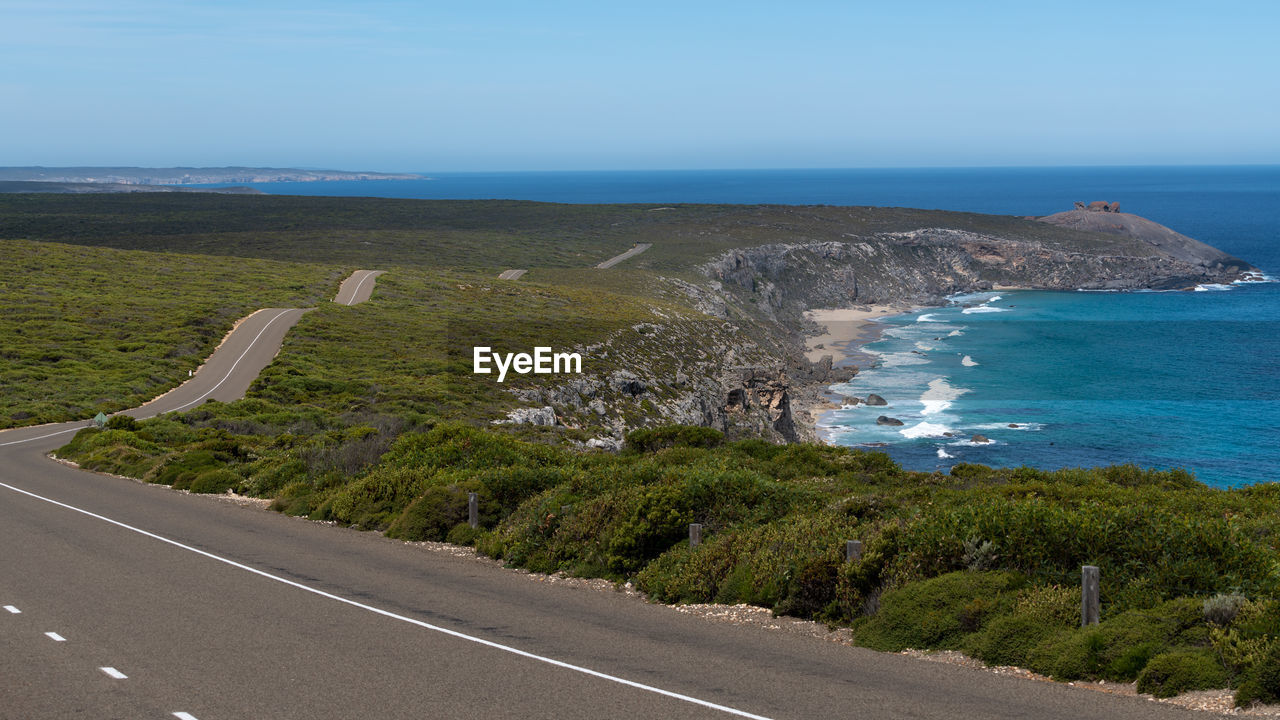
(886, 420)
(544, 416)
(874, 399)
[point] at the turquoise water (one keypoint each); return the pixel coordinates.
(1159, 379)
(1066, 379)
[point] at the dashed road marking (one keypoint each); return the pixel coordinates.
(13, 609)
(185, 716)
(55, 637)
(114, 673)
(394, 616)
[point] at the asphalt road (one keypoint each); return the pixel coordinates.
(209, 609)
(511, 274)
(641, 247)
(357, 288)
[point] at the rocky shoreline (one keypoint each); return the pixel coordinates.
(761, 373)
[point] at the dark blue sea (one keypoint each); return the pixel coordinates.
(1173, 379)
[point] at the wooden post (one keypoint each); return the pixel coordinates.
(1089, 603)
(852, 550)
(695, 534)
(473, 509)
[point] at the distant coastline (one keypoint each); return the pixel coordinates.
(187, 175)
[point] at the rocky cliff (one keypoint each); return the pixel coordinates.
(739, 368)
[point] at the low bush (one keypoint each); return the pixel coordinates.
(1182, 670)
(939, 612)
(215, 481)
(1261, 683)
(651, 439)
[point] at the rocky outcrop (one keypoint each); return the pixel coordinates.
(545, 416)
(886, 420)
(1197, 257)
(1099, 206)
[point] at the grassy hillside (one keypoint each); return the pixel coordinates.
(96, 329)
(481, 234)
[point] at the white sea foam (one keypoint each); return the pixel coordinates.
(1213, 287)
(1005, 426)
(970, 443)
(1250, 277)
(902, 358)
(939, 396)
(925, 429)
(967, 361)
(924, 346)
(982, 309)
(928, 318)
(954, 333)
(961, 298)
(943, 454)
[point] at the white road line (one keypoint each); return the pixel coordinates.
(236, 363)
(60, 432)
(114, 673)
(55, 637)
(185, 716)
(352, 301)
(180, 407)
(386, 613)
(13, 609)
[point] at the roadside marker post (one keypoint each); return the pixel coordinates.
(1089, 604)
(852, 550)
(473, 509)
(695, 534)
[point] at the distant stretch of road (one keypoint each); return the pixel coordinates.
(125, 600)
(639, 248)
(511, 274)
(357, 288)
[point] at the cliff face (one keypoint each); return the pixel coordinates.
(742, 372)
(1167, 241)
(923, 266)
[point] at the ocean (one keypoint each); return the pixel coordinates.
(1053, 379)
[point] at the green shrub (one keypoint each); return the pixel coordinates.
(939, 612)
(215, 481)
(432, 516)
(653, 439)
(1120, 647)
(182, 470)
(1182, 670)
(121, 422)
(1009, 639)
(1261, 683)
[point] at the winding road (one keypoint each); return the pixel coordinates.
(125, 600)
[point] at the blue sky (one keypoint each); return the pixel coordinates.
(435, 86)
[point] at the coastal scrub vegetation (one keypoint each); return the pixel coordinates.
(370, 417)
(96, 329)
(981, 560)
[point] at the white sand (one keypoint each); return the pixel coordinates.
(847, 328)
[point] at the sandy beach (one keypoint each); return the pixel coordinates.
(847, 329)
